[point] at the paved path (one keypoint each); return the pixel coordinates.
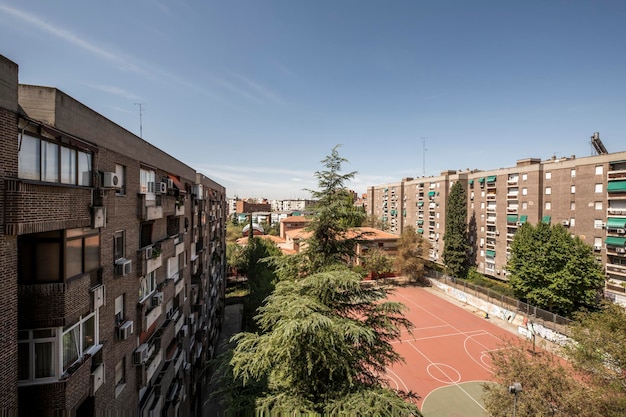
(230, 327)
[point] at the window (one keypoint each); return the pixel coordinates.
(482, 205)
(548, 175)
(36, 354)
(573, 173)
(597, 242)
(524, 205)
(57, 255)
(145, 234)
(599, 170)
(524, 177)
(42, 160)
(120, 172)
(78, 339)
(147, 179)
(572, 205)
(119, 246)
(119, 310)
(598, 188)
(598, 205)
(172, 268)
(572, 221)
(572, 189)
(548, 205)
(120, 376)
(173, 225)
(597, 224)
(147, 285)
(524, 191)
(548, 190)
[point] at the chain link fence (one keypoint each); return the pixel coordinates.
(534, 314)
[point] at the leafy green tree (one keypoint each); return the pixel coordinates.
(598, 352)
(373, 221)
(553, 270)
(409, 260)
(324, 343)
(456, 248)
(377, 262)
(549, 387)
(335, 213)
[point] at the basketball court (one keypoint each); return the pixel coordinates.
(446, 355)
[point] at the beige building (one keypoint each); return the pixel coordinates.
(587, 195)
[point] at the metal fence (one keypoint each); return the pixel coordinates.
(546, 318)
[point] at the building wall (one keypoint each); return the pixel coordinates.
(567, 191)
(187, 224)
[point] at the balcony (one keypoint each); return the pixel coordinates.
(149, 209)
(616, 269)
(55, 304)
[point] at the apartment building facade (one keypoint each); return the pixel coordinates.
(113, 272)
(586, 195)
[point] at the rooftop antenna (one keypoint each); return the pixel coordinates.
(140, 118)
(424, 154)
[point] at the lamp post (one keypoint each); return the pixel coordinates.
(515, 389)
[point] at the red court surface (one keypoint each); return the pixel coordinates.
(448, 345)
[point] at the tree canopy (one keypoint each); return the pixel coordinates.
(553, 270)
(456, 248)
(409, 260)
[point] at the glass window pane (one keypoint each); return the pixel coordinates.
(29, 158)
(44, 357)
(89, 333)
(68, 166)
(50, 161)
(84, 169)
(73, 258)
(70, 347)
(48, 261)
(92, 253)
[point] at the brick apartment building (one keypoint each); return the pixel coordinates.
(112, 266)
(587, 195)
(252, 206)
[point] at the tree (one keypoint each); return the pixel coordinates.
(377, 262)
(409, 259)
(550, 387)
(335, 213)
(324, 343)
(598, 352)
(456, 248)
(553, 270)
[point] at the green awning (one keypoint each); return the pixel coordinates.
(420, 230)
(384, 218)
(393, 212)
(523, 218)
(491, 178)
(420, 203)
(490, 253)
(615, 223)
(420, 222)
(616, 187)
(511, 218)
(404, 213)
(615, 241)
(471, 182)
(546, 219)
(481, 180)
(431, 193)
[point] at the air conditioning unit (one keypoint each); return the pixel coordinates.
(620, 231)
(148, 253)
(565, 223)
(620, 250)
(125, 330)
(163, 188)
(123, 266)
(603, 225)
(157, 299)
(519, 223)
(97, 379)
(597, 248)
(109, 179)
(198, 191)
(141, 354)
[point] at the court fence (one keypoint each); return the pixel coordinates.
(534, 314)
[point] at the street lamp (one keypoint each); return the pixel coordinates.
(515, 389)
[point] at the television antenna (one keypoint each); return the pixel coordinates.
(140, 118)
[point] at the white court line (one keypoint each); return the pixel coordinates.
(397, 377)
(467, 334)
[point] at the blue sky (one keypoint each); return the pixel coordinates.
(255, 93)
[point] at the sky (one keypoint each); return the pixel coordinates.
(256, 93)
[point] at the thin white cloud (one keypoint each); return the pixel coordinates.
(112, 89)
(257, 88)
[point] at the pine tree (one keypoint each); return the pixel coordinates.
(456, 248)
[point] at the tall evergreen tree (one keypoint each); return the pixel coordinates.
(553, 270)
(456, 248)
(335, 213)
